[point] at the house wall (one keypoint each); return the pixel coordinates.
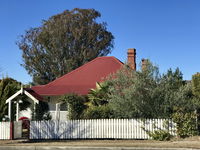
(26, 113)
(63, 113)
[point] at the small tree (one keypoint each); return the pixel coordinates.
(196, 85)
(76, 105)
(64, 42)
(98, 107)
(99, 95)
(145, 93)
(185, 99)
(196, 92)
(131, 92)
(8, 87)
(41, 111)
(186, 122)
(168, 88)
(98, 112)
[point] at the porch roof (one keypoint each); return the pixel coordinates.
(28, 92)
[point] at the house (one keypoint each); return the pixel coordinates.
(79, 81)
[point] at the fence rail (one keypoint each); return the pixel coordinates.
(4, 130)
(99, 128)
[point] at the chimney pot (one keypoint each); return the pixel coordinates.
(132, 58)
(144, 63)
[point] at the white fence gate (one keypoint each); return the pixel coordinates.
(98, 128)
(4, 130)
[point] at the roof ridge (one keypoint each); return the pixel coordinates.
(119, 61)
(86, 64)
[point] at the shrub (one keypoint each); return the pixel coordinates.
(41, 111)
(196, 84)
(76, 105)
(98, 112)
(160, 135)
(186, 123)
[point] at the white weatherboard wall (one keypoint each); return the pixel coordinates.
(63, 115)
(98, 129)
(4, 130)
(26, 113)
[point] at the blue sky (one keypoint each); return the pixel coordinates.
(165, 31)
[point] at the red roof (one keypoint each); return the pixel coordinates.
(82, 79)
(37, 88)
(34, 94)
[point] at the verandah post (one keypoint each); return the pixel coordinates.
(9, 110)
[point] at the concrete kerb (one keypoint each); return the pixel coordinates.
(17, 147)
(85, 148)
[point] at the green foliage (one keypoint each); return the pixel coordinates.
(196, 85)
(160, 135)
(132, 93)
(120, 96)
(145, 93)
(76, 105)
(64, 42)
(8, 87)
(98, 107)
(186, 123)
(168, 91)
(184, 99)
(41, 111)
(98, 112)
(99, 95)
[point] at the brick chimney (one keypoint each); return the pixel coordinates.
(144, 64)
(132, 58)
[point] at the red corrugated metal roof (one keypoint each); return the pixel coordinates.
(82, 79)
(37, 88)
(34, 94)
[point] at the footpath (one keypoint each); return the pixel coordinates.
(176, 144)
(85, 148)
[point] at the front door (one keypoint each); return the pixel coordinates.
(25, 128)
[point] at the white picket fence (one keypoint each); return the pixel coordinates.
(4, 130)
(98, 128)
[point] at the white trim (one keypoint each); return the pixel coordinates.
(17, 111)
(21, 91)
(31, 97)
(13, 96)
(9, 110)
(58, 111)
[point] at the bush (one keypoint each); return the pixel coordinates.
(8, 87)
(41, 111)
(98, 112)
(196, 84)
(76, 105)
(186, 123)
(160, 135)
